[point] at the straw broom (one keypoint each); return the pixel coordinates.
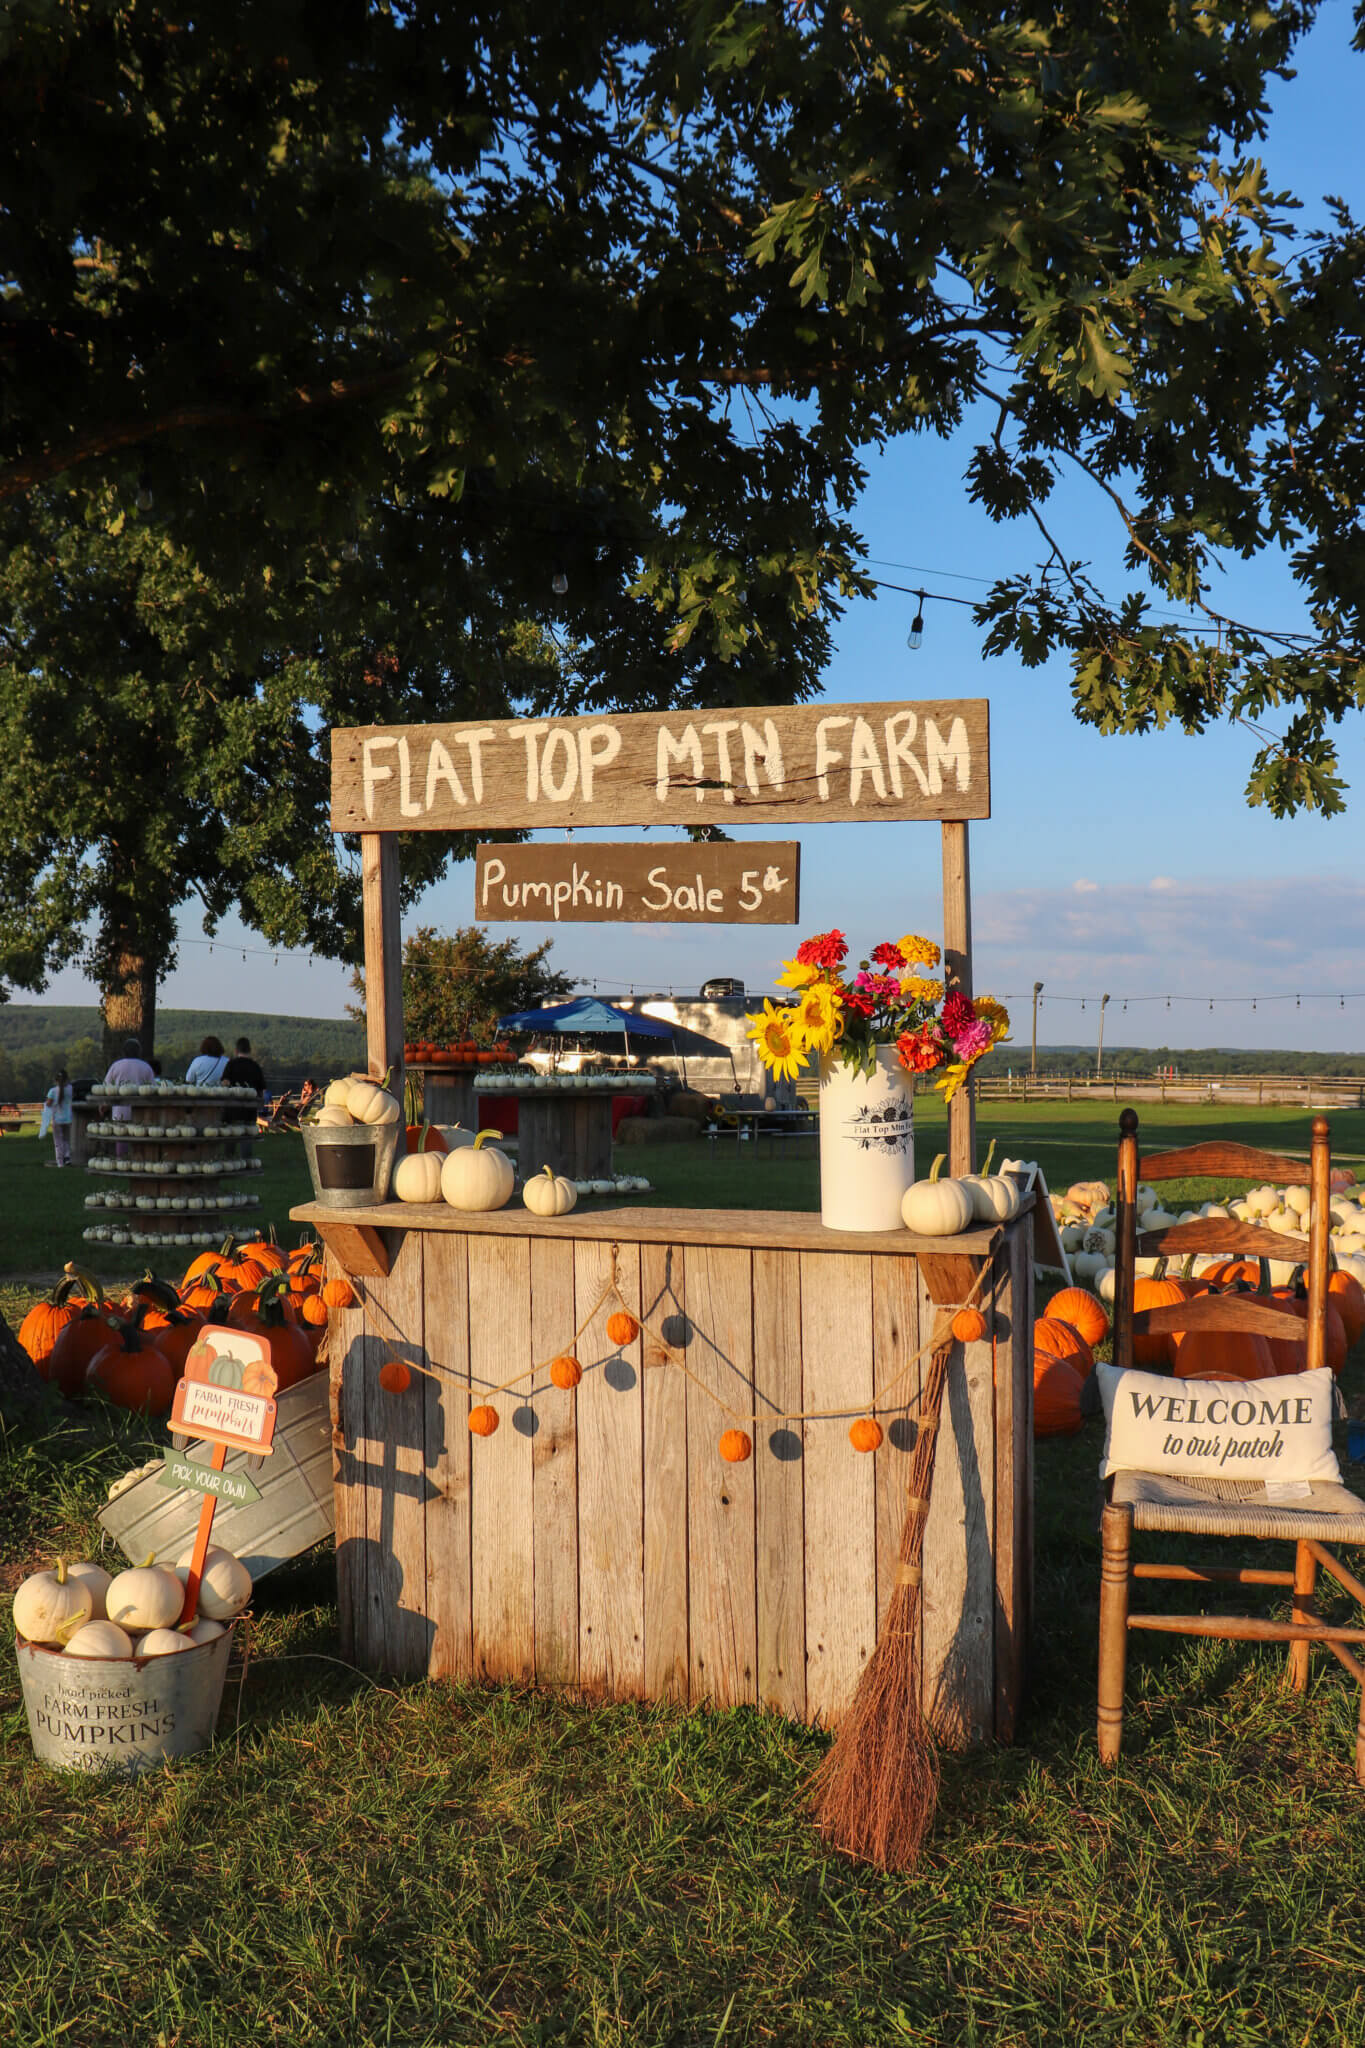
(875, 1793)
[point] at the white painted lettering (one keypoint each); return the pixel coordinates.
(372, 773)
(715, 902)
(863, 759)
(898, 744)
(475, 743)
(768, 748)
(494, 872)
(531, 733)
(405, 803)
(616, 896)
(688, 748)
(826, 756)
(722, 728)
(954, 752)
(440, 768)
(559, 791)
(655, 880)
(598, 746)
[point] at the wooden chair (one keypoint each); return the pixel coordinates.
(1212, 1507)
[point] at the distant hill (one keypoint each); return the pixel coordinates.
(35, 1038)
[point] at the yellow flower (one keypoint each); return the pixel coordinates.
(951, 1079)
(779, 1045)
(915, 949)
(819, 1017)
(797, 974)
(916, 989)
(996, 1015)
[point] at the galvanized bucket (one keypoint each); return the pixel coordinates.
(122, 1715)
(296, 1508)
(351, 1164)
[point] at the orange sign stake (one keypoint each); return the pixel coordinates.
(201, 1541)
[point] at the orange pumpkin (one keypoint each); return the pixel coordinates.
(175, 1339)
(566, 1372)
(394, 1376)
(1348, 1298)
(483, 1421)
(866, 1432)
(1292, 1357)
(1056, 1396)
(207, 1262)
(76, 1345)
(338, 1292)
(1060, 1340)
(131, 1373)
(241, 1274)
(265, 1253)
(1085, 1315)
(736, 1447)
(1154, 1351)
(424, 1138)
(968, 1326)
(1229, 1272)
(1221, 1354)
(46, 1320)
(622, 1328)
(314, 1311)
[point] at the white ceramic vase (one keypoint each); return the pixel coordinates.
(867, 1143)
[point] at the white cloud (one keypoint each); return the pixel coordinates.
(1084, 887)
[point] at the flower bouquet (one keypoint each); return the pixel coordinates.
(871, 1032)
(846, 1017)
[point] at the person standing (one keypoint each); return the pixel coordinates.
(206, 1069)
(57, 1113)
(242, 1071)
(129, 1066)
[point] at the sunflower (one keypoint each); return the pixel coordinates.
(779, 1044)
(797, 974)
(818, 1017)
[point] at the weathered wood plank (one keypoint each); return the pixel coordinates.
(1011, 1331)
(769, 764)
(779, 1480)
(396, 1429)
(895, 1340)
(663, 1285)
(358, 1248)
(772, 1229)
(446, 1289)
(1220, 1234)
(753, 881)
(1222, 1312)
(346, 1397)
(957, 973)
(502, 1485)
(722, 1623)
(381, 910)
(841, 1509)
(611, 1619)
(957, 1601)
(1220, 1159)
(554, 1465)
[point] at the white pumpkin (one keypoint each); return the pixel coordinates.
(337, 1094)
(1158, 1219)
(97, 1579)
(162, 1642)
(203, 1630)
(100, 1639)
(1298, 1199)
(50, 1606)
(417, 1176)
(1104, 1285)
(1088, 1265)
(1073, 1237)
(1100, 1241)
(1214, 1209)
(478, 1176)
(549, 1194)
(369, 1103)
(334, 1116)
(148, 1596)
(934, 1207)
(994, 1197)
(225, 1586)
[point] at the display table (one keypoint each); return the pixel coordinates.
(176, 1170)
(447, 1093)
(597, 1540)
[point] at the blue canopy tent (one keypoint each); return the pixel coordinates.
(586, 1015)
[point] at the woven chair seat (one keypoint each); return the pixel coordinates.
(1232, 1507)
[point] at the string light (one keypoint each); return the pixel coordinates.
(915, 637)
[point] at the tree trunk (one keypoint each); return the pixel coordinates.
(128, 1005)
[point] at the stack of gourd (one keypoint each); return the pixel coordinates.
(84, 1611)
(131, 1351)
(941, 1208)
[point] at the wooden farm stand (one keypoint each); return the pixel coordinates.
(597, 1540)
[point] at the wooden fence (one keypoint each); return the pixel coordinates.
(1310, 1091)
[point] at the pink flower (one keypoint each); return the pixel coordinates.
(976, 1039)
(884, 988)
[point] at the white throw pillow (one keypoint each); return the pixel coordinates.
(1275, 1429)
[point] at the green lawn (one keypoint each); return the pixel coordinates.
(360, 1863)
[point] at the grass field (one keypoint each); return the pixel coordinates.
(360, 1863)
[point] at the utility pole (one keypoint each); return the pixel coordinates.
(1037, 991)
(1099, 1053)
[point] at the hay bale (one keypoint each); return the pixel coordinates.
(657, 1130)
(687, 1102)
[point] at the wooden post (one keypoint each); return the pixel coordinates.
(1319, 1247)
(383, 957)
(1303, 1610)
(1125, 1225)
(957, 973)
(1116, 1529)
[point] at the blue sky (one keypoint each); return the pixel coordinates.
(1128, 865)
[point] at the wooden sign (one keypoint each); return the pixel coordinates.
(225, 1394)
(774, 764)
(180, 1472)
(757, 882)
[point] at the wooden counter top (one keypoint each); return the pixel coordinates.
(769, 1229)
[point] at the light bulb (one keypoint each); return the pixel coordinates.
(559, 583)
(916, 634)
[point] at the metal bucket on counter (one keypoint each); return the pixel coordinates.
(351, 1164)
(122, 1715)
